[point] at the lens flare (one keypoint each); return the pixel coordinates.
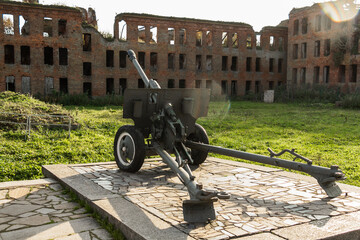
(341, 10)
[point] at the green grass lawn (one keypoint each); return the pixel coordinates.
(322, 133)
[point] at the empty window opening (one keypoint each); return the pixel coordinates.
(153, 60)
(281, 44)
(303, 75)
(327, 23)
(257, 87)
(198, 62)
(209, 84)
(63, 56)
(142, 59)
(171, 36)
(316, 75)
(258, 65)
(109, 58)
(122, 86)
(304, 25)
(171, 83)
(295, 51)
(318, 23)
(248, 64)
(182, 36)
(303, 50)
(209, 62)
(62, 27)
(272, 43)
(141, 34)
(294, 75)
(122, 56)
(153, 35)
(9, 54)
(10, 83)
(122, 31)
(342, 72)
(87, 89)
(235, 40)
(271, 65)
(280, 65)
(171, 61)
(86, 42)
(233, 88)
(110, 86)
(24, 26)
(224, 87)
(182, 83)
(317, 49)
(141, 83)
(296, 27)
(25, 55)
(233, 66)
(63, 85)
(49, 85)
(197, 83)
(209, 38)
(353, 73)
(48, 56)
(280, 83)
(327, 47)
(198, 38)
(258, 41)
(87, 68)
(249, 42)
(224, 63)
(271, 85)
(8, 23)
(25, 84)
(326, 74)
(182, 61)
(224, 40)
(247, 87)
(48, 27)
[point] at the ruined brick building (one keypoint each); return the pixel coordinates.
(57, 48)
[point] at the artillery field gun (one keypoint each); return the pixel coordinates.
(166, 119)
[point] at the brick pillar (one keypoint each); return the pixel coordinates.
(16, 25)
(116, 29)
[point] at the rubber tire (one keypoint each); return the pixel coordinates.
(133, 139)
(199, 135)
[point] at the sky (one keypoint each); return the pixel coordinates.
(258, 13)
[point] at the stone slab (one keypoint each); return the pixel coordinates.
(15, 184)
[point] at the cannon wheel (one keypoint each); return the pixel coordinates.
(199, 135)
(129, 148)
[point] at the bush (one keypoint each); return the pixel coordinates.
(82, 99)
(351, 101)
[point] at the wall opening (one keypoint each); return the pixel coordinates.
(233, 88)
(294, 76)
(122, 86)
(224, 61)
(316, 75)
(63, 85)
(317, 49)
(318, 23)
(272, 43)
(48, 27)
(327, 23)
(257, 87)
(248, 64)
(224, 87)
(171, 83)
(142, 59)
(122, 56)
(63, 56)
(10, 83)
(209, 38)
(258, 41)
(198, 38)
(271, 85)
(281, 44)
(209, 63)
(141, 83)
(109, 58)
(233, 66)
(171, 36)
(258, 65)
(25, 55)
(48, 55)
(182, 61)
(86, 42)
(87, 89)
(304, 25)
(303, 75)
(9, 54)
(141, 34)
(62, 27)
(24, 26)
(209, 84)
(171, 61)
(326, 74)
(353, 73)
(110, 86)
(235, 40)
(327, 47)
(342, 72)
(197, 83)
(296, 27)
(182, 36)
(182, 83)
(122, 31)
(271, 65)
(49, 85)
(153, 35)
(198, 62)
(224, 40)
(280, 65)
(295, 51)
(303, 50)
(153, 61)
(247, 87)
(25, 84)
(248, 42)
(8, 24)
(87, 68)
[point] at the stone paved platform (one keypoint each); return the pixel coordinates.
(40, 210)
(265, 203)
